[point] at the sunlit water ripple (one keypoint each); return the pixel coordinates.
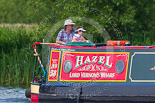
(9, 95)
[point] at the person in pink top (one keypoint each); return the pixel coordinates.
(78, 33)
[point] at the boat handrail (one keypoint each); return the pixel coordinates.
(37, 43)
(151, 46)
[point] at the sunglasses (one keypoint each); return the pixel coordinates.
(80, 31)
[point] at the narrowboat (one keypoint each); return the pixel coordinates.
(98, 73)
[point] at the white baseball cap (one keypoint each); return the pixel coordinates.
(80, 29)
(69, 22)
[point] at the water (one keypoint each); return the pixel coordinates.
(13, 95)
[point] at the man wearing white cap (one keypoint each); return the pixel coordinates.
(66, 35)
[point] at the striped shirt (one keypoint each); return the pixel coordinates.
(77, 37)
(63, 36)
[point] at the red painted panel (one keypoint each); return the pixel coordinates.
(54, 65)
(34, 98)
(86, 66)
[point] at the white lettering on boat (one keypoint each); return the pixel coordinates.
(107, 75)
(74, 75)
(53, 73)
(101, 60)
(90, 75)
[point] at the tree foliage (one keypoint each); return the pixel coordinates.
(132, 20)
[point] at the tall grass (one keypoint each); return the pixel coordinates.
(16, 67)
(16, 56)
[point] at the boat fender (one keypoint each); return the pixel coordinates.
(28, 93)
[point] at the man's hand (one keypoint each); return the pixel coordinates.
(60, 42)
(63, 43)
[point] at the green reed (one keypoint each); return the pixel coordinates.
(16, 56)
(16, 68)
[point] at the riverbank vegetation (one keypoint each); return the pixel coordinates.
(28, 21)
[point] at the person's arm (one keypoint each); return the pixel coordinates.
(74, 40)
(60, 42)
(83, 39)
(59, 38)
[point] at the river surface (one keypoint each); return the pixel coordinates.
(13, 95)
